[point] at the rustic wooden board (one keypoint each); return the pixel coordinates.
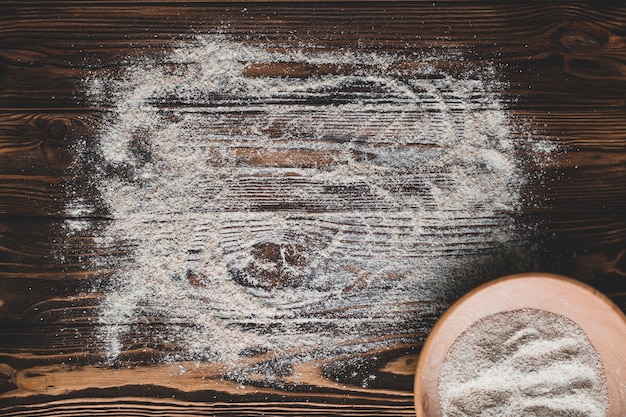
(533, 291)
(564, 64)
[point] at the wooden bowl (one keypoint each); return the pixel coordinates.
(602, 321)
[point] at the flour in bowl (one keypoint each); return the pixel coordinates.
(523, 363)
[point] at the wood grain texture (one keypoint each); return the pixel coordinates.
(564, 64)
(35, 158)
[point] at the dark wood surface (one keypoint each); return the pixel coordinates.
(565, 67)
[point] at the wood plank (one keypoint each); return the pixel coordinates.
(31, 195)
(45, 69)
(37, 150)
(564, 75)
(278, 407)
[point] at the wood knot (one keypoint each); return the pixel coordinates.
(274, 265)
(580, 38)
(57, 130)
(584, 44)
(598, 68)
(56, 141)
(7, 378)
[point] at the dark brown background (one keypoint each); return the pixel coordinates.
(565, 64)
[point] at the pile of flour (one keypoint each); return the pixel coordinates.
(529, 363)
(304, 216)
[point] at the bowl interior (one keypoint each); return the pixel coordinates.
(601, 320)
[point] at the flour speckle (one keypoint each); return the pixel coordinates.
(294, 201)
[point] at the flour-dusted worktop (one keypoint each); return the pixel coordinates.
(313, 115)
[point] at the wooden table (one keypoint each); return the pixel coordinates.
(564, 64)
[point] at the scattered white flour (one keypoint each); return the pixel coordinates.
(523, 363)
(294, 215)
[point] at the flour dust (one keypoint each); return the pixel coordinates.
(261, 212)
